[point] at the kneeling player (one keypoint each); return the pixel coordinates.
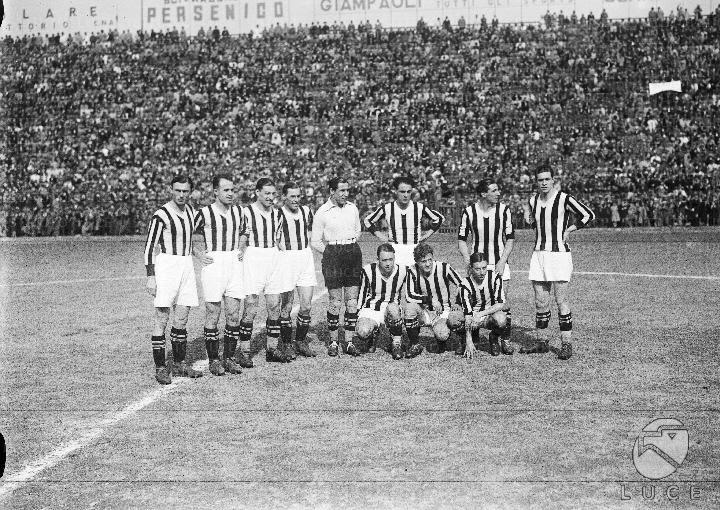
(431, 280)
(380, 290)
(481, 299)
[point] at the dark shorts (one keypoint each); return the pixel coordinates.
(342, 265)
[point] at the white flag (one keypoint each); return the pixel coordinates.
(656, 88)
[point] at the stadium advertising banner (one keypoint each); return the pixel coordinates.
(246, 15)
(57, 16)
(240, 16)
(237, 16)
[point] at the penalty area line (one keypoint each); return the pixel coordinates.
(9, 484)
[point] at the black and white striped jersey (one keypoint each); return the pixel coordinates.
(221, 231)
(375, 289)
(261, 227)
(295, 228)
(479, 296)
(172, 231)
(551, 219)
(434, 286)
(404, 225)
(489, 230)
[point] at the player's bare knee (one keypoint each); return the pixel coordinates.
(335, 305)
(364, 328)
(563, 308)
(412, 310)
(162, 317)
(393, 312)
(456, 321)
(351, 305)
(500, 319)
(441, 330)
(250, 310)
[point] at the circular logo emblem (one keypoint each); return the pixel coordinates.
(660, 448)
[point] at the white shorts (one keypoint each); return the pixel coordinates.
(261, 271)
(506, 271)
(430, 318)
(175, 281)
(297, 269)
(551, 266)
(223, 277)
(404, 254)
(377, 316)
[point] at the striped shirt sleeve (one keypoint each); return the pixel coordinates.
(371, 220)
(583, 212)
(310, 217)
(410, 293)
(199, 221)
(531, 204)
(509, 227)
(465, 298)
(154, 232)
(364, 289)
(497, 289)
(464, 229)
(453, 275)
(434, 216)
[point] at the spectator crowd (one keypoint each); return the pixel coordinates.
(95, 125)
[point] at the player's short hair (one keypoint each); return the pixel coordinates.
(545, 166)
(262, 182)
(483, 186)
(182, 179)
(422, 250)
(335, 182)
(218, 177)
(386, 247)
(289, 185)
(477, 257)
(403, 179)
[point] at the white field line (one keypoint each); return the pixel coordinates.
(596, 273)
(10, 483)
(637, 275)
(81, 280)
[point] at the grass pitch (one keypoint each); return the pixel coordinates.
(87, 426)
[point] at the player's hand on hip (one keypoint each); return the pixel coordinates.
(206, 259)
(241, 255)
(499, 269)
(151, 286)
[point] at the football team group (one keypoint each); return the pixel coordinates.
(268, 249)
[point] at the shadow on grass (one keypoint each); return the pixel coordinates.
(522, 337)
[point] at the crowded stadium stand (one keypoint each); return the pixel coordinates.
(97, 124)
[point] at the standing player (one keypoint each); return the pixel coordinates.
(431, 280)
(551, 263)
(490, 224)
(297, 269)
(335, 232)
(260, 273)
(404, 221)
(171, 278)
(481, 299)
(222, 227)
